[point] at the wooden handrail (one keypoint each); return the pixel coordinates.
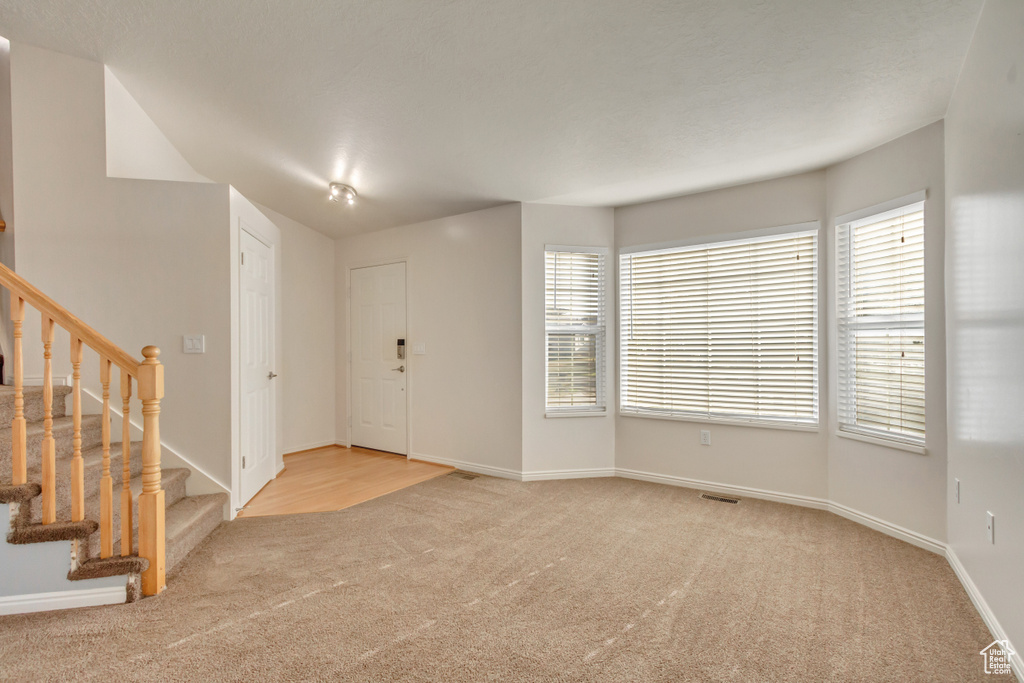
(67, 320)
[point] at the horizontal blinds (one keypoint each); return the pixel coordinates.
(575, 323)
(722, 330)
(880, 316)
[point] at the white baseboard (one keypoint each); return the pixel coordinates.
(291, 450)
(775, 496)
(894, 530)
(44, 602)
(1016, 661)
(545, 475)
(470, 466)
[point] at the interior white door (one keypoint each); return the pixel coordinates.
(378, 374)
(256, 329)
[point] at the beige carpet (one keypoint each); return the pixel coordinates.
(492, 580)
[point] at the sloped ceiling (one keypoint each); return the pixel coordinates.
(436, 107)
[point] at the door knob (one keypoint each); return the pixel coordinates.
(272, 375)
(400, 368)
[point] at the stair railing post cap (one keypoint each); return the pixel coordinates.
(151, 352)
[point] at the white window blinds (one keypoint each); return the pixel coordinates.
(725, 330)
(880, 316)
(575, 329)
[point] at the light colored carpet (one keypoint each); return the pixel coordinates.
(581, 580)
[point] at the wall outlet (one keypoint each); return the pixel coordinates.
(705, 437)
(194, 343)
(956, 490)
(991, 527)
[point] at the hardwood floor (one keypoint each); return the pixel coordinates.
(333, 478)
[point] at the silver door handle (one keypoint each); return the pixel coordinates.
(272, 375)
(400, 368)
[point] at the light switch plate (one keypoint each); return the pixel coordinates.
(419, 348)
(194, 343)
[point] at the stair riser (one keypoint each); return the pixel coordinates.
(93, 472)
(33, 404)
(180, 546)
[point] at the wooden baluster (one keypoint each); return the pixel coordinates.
(106, 482)
(151, 500)
(49, 466)
(18, 460)
(126, 464)
(77, 464)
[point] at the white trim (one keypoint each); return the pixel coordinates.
(994, 627)
(547, 475)
(44, 602)
(37, 381)
(594, 412)
(470, 466)
(899, 202)
(137, 432)
(887, 528)
(765, 424)
(577, 249)
(774, 496)
(702, 240)
(292, 450)
(409, 334)
(880, 441)
(869, 521)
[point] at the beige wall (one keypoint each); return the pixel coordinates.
(779, 460)
(143, 262)
(464, 284)
(985, 313)
(564, 446)
(903, 488)
(307, 375)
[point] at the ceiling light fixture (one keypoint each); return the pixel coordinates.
(340, 192)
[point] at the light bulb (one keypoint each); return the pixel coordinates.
(351, 201)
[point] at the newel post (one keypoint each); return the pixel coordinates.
(151, 500)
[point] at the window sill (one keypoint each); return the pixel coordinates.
(881, 441)
(576, 413)
(788, 426)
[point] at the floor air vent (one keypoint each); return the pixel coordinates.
(463, 475)
(720, 499)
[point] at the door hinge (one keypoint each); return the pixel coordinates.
(243, 258)
(243, 462)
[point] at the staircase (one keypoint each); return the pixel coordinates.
(62, 469)
(189, 519)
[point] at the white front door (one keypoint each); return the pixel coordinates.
(258, 437)
(378, 374)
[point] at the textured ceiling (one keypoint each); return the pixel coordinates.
(436, 107)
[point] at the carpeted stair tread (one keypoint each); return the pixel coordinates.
(33, 407)
(189, 521)
(63, 435)
(57, 531)
(19, 494)
(172, 481)
(112, 566)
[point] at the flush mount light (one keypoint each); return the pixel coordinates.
(342, 193)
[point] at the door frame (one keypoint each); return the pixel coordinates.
(243, 213)
(410, 375)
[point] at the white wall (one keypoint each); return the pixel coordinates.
(985, 307)
(565, 446)
(307, 374)
(464, 284)
(136, 148)
(903, 488)
(778, 460)
(143, 262)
